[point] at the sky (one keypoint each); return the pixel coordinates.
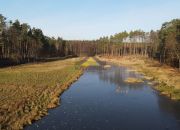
(90, 19)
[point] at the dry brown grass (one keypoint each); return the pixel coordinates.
(163, 74)
(27, 91)
(41, 67)
(133, 80)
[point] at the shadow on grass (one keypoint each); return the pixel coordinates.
(8, 62)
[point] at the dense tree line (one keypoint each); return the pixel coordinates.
(118, 45)
(169, 43)
(163, 44)
(83, 48)
(20, 43)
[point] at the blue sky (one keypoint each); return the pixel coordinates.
(90, 19)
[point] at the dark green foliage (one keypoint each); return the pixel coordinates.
(169, 45)
(19, 43)
(163, 45)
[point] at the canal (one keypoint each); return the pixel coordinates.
(102, 100)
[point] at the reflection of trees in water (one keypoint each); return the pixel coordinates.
(117, 76)
(122, 90)
(169, 106)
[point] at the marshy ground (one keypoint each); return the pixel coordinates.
(28, 91)
(102, 100)
(167, 78)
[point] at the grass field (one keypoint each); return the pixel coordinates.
(27, 91)
(90, 62)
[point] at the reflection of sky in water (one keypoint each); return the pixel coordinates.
(117, 76)
(101, 100)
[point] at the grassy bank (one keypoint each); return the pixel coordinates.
(27, 91)
(167, 79)
(90, 62)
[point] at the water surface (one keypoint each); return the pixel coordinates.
(101, 100)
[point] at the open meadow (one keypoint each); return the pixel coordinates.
(27, 91)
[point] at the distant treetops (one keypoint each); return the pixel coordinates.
(21, 43)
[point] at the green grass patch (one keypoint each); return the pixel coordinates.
(90, 62)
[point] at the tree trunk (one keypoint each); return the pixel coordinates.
(179, 64)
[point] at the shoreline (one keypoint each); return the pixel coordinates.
(55, 99)
(21, 109)
(167, 78)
